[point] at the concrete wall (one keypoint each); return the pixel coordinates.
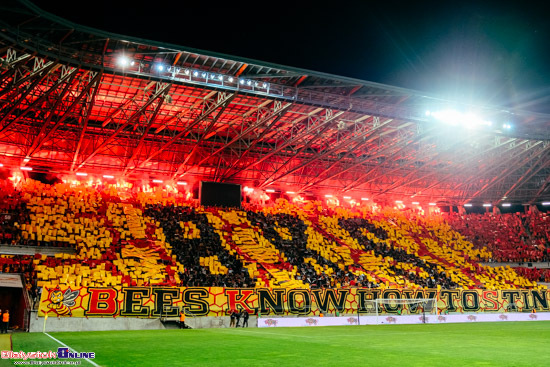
(124, 323)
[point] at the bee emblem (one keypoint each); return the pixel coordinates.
(61, 303)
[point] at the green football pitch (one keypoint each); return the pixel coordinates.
(476, 344)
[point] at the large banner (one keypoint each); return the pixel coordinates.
(156, 302)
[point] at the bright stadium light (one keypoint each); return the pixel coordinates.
(432, 204)
(290, 192)
(26, 168)
(364, 199)
(157, 181)
(269, 190)
(195, 73)
(249, 82)
(1, 165)
(160, 67)
(230, 79)
(123, 61)
(486, 205)
(242, 81)
(415, 203)
(328, 195)
(81, 174)
(457, 118)
(181, 183)
(546, 203)
(506, 204)
(108, 176)
(468, 205)
(347, 197)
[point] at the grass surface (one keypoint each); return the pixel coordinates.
(476, 344)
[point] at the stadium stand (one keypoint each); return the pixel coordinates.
(155, 237)
(510, 237)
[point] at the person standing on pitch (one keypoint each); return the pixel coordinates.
(233, 317)
(238, 317)
(245, 317)
(5, 321)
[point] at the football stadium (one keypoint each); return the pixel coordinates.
(168, 206)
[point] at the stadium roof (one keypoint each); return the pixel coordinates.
(76, 99)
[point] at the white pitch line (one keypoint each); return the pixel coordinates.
(74, 350)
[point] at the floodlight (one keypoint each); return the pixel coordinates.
(242, 81)
(230, 79)
(186, 71)
(290, 192)
(1, 165)
(264, 85)
(123, 61)
(328, 195)
(108, 176)
(157, 181)
(160, 67)
(546, 203)
(81, 174)
(26, 168)
(195, 73)
(269, 190)
(506, 204)
(249, 82)
(468, 205)
(432, 204)
(220, 77)
(182, 183)
(203, 74)
(486, 205)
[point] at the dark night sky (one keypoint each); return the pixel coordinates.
(474, 52)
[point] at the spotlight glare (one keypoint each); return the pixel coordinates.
(269, 190)
(290, 192)
(1, 165)
(486, 205)
(160, 67)
(182, 183)
(26, 168)
(242, 81)
(468, 205)
(506, 204)
(328, 195)
(157, 181)
(108, 176)
(195, 73)
(123, 61)
(230, 79)
(81, 174)
(546, 203)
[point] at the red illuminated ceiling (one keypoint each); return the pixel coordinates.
(68, 105)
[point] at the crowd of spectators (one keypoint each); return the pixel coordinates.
(517, 237)
(354, 226)
(189, 250)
